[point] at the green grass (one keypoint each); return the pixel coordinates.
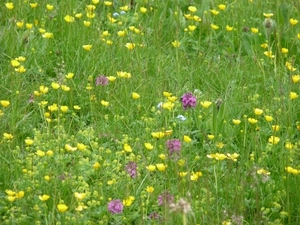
(229, 173)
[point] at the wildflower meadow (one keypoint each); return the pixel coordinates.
(150, 112)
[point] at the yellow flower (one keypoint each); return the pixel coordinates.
(9, 5)
(162, 156)
(222, 7)
(284, 50)
(214, 12)
(149, 189)
(148, 146)
(49, 7)
(123, 74)
(135, 95)
(268, 15)
(121, 33)
(69, 148)
(130, 46)
(293, 21)
(233, 156)
(47, 178)
(161, 166)
(269, 54)
(44, 197)
(192, 27)
(111, 78)
(70, 75)
(47, 35)
(64, 108)
(196, 18)
(291, 170)
(28, 141)
(62, 207)
(11, 198)
(40, 153)
(195, 176)
(90, 8)
(20, 69)
(104, 103)
(108, 3)
(167, 105)
(81, 146)
(8, 136)
(206, 104)
(275, 127)
(20, 24)
(211, 136)
(29, 25)
(87, 47)
(252, 120)
(264, 45)
(33, 5)
(288, 145)
(236, 122)
(69, 18)
(258, 111)
(65, 88)
(293, 95)
(124, 8)
(87, 23)
(295, 78)
(263, 171)
(273, 140)
(49, 153)
(158, 134)
(128, 201)
(127, 148)
(4, 103)
(187, 139)
(192, 9)
(90, 15)
(176, 44)
(80, 196)
(254, 30)
(268, 118)
(78, 15)
(96, 165)
(182, 174)
(220, 144)
(213, 26)
(228, 28)
(143, 10)
(20, 194)
(15, 63)
(55, 85)
(151, 168)
(95, 2)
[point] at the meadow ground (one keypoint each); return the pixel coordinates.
(150, 112)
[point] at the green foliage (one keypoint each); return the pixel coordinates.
(91, 110)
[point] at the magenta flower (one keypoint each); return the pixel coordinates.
(188, 100)
(165, 198)
(115, 206)
(174, 146)
(131, 169)
(101, 80)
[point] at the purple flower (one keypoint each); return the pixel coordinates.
(103, 80)
(174, 146)
(115, 206)
(154, 216)
(165, 198)
(131, 169)
(188, 100)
